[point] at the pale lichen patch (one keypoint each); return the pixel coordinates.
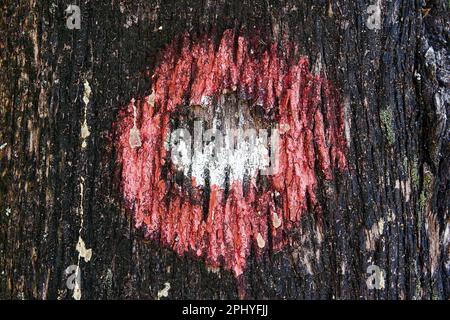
(386, 117)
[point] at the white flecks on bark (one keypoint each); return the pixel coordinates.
(84, 253)
(85, 133)
(164, 292)
(405, 187)
(433, 231)
(374, 234)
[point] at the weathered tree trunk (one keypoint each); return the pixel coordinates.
(60, 181)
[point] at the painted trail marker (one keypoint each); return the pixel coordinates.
(218, 209)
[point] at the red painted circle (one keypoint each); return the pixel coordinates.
(313, 144)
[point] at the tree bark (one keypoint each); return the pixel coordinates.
(389, 208)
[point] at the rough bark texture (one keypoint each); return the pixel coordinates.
(390, 208)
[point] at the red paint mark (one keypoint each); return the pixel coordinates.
(313, 144)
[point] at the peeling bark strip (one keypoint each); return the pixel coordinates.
(256, 210)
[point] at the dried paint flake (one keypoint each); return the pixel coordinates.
(84, 253)
(84, 128)
(164, 293)
(77, 291)
(87, 92)
(85, 131)
(276, 220)
(260, 241)
(135, 137)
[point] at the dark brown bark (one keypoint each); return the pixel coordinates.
(390, 209)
